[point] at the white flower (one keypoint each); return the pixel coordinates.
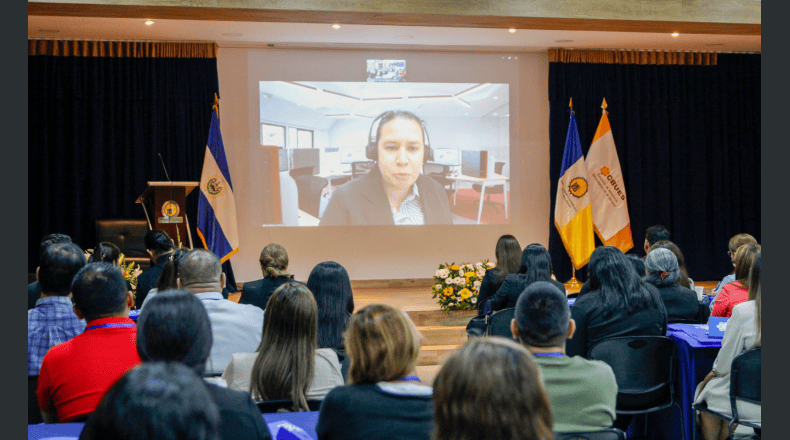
(473, 300)
(481, 273)
(477, 285)
(479, 265)
(438, 287)
(442, 273)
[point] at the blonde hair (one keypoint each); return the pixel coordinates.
(740, 240)
(274, 261)
(382, 344)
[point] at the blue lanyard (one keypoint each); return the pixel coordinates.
(408, 379)
(210, 299)
(553, 354)
(117, 324)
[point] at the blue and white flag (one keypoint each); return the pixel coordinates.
(216, 206)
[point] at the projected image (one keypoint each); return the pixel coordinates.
(379, 153)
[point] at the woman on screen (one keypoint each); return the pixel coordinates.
(395, 192)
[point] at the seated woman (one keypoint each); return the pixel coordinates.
(509, 403)
(174, 326)
(732, 247)
(331, 288)
(737, 291)
(288, 364)
(683, 279)
(508, 256)
(106, 252)
(744, 331)
(618, 304)
(535, 266)
(274, 265)
(384, 399)
(663, 272)
(156, 400)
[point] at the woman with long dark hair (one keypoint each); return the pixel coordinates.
(288, 364)
(663, 272)
(508, 261)
(331, 289)
(619, 303)
(535, 266)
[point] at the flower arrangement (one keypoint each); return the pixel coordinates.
(457, 286)
(130, 270)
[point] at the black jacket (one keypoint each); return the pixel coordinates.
(240, 417)
(511, 289)
(363, 202)
(680, 302)
(33, 294)
(147, 280)
(258, 292)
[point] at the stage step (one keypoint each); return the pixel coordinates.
(443, 335)
(435, 354)
(424, 318)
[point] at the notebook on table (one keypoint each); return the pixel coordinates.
(717, 325)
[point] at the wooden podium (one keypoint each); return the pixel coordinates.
(167, 201)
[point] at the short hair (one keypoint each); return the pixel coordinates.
(507, 402)
(662, 267)
(331, 289)
(508, 256)
(52, 239)
(656, 233)
(158, 241)
(535, 263)
(683, 276)
(286, 355)
(156, 400)
(274, 261)
(99, 291)
(199, 266)
(638, 263)
(745, 257)
(739, 240)
(174, 326)
(105, 252)
(382, 345)
(59, 264)
(542, 315)
(168, 278)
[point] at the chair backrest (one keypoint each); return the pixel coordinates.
(745, 378)
(309, 188)
(606, 434)
(499, 323)
(126, 233)
(682, 321)
(640, 363)
(498, 166)
(272, 406)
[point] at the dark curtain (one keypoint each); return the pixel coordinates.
(688, 138)
(95, 128)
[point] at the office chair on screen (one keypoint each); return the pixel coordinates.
(496, 189)
(439, 173)
(310, 188)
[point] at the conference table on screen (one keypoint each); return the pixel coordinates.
(493, 180)
(279, 430)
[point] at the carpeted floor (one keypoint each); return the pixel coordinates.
(468, 203)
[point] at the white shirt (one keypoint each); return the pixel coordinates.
(235, 328)
(410, 211)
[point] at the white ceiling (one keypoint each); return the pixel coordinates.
(253, 34)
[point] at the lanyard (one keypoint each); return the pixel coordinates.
(116, 324)
(553, 354)
(408, 379)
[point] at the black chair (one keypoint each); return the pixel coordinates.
(498, 323)
(128, 234)
(703, 313)
(309, 188)
(272, 406)
(496, 189)
(745, 385)
(33, 411)
(303, 171)
(606, 434)
(439, 173)
(345, 362)
(644, 367)
(683, 321)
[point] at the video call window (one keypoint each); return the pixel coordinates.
(273, 135)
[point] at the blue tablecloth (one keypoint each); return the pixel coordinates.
(134, 314)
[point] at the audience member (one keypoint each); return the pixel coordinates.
(331, 288)
(168, 279)
(274, 265)
(384, 398)
(619, 304)
(654, 234)
(744, 332)
(508, 402)
(535, 266)
(583, 393)
(77, 373)
(106, 252)
(663, 272)
(732, 247)
(508, 261)
(683, 277)
(737, 291)
(288, 365)
(174, 326)
(635, 260)
(34, 289)
(158, 245)
(157, 400)
(236, 327)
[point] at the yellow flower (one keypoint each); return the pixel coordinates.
(448, 291)
(465, 293)
(455, 267)
(469, 274)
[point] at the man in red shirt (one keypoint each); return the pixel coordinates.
(76, 374)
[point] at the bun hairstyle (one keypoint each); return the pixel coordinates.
(372, 150)
(274, 261)
(105, 252)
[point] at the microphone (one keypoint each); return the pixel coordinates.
(163, 166)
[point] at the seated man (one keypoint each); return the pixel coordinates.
(654, 234)
(76, 374)
(159, 245)
(583, 393)
(236, 328)
(34, 289)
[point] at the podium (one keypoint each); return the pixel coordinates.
(167, 202)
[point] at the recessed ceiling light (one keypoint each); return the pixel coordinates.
(466, 114)
(149, 22)
(564, 41)
(494, 113)
(496, 97)
(233, 34)
(512, 30)
(675, 34)
(507, 115)
(335, 26)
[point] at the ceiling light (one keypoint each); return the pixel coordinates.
(149, 22)
(675, 34)
(461, 101)
(466, 114)
(512, 30)
(507, 115)
(496, 97)
(494, 113)
(233, 34)
(335, 26)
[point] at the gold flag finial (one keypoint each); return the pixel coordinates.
(570, 104)
(216, 105)
(603, 105)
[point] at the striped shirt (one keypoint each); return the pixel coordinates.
(51, 322)
(410, 212)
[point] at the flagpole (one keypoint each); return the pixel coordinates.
(572, 285)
